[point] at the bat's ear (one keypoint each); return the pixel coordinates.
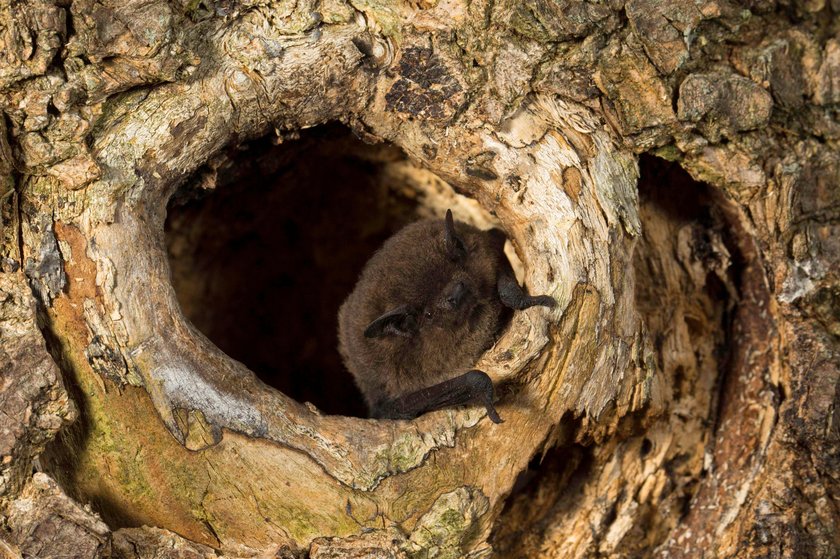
(398, 322)
(455, 248)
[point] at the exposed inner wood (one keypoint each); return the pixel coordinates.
(683, 258)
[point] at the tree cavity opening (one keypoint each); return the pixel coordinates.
(266, 241)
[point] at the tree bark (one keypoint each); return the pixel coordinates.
(669, 173)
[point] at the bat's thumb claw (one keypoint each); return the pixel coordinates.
(482, 391)
(494, 415)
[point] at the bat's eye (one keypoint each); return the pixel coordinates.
(428, 314)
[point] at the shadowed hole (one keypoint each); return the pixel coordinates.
(266, 242)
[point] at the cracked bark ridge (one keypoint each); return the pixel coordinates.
(735, 103)
(34, 403)
(43, 522)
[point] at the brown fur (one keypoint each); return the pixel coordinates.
(415, 269)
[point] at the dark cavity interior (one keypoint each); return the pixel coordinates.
(267, 241)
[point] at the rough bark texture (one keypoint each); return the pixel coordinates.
(33, 400)
(679, 402)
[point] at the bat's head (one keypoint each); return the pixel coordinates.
(425, 308)
(436, 288)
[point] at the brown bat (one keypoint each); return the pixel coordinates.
(426, 306)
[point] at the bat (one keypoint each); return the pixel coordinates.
(426, 306)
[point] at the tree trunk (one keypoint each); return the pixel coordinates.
(668, 172)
